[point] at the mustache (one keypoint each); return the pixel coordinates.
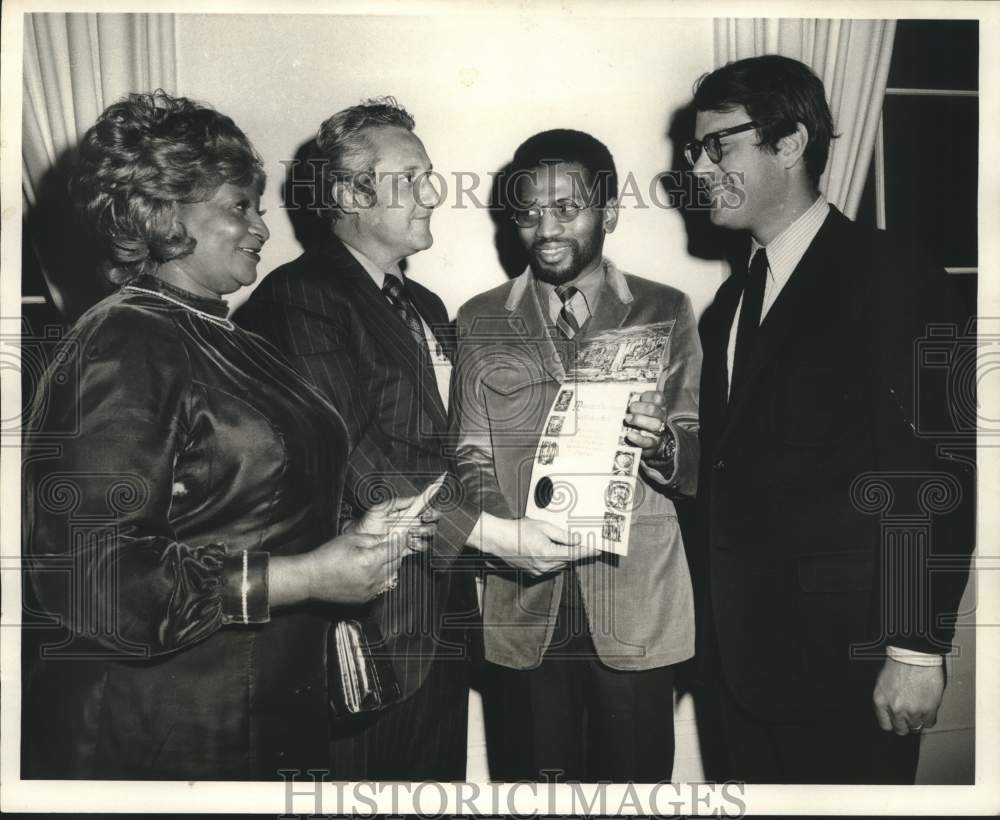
(550, 244)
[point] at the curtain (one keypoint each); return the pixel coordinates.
(74, 66)
(852, 58)
(77, 64)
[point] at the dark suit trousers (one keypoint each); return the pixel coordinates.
(575, 716)
(851, 752)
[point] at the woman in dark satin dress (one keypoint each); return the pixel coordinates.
(182, 492)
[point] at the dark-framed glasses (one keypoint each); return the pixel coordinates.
(712, 143)
(564, 211)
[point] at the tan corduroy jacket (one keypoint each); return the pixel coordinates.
(508, 371)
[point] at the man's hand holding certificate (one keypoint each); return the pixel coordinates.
(647, 418)
(608, 416)
(538, 547)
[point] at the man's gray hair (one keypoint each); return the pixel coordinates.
(346, 151)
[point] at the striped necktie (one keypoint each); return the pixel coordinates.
(566, 321)
(395, 293)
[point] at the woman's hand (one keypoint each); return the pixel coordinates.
(350, 569)
(358, 565)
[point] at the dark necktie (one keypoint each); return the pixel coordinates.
(566, 321)
(395, 292)
(753, 301)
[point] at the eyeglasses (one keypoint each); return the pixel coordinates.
(712, 143)
(564, 212)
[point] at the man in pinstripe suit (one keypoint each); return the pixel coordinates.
(377, 345)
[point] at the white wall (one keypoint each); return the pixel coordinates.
(477, 86)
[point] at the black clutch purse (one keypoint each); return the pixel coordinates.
(358, 680)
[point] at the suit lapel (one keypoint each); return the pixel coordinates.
(392, 335)
(525, 319)
(437, 321)
(799, 301)
(428, 309)
(715, 367)
(610, 311)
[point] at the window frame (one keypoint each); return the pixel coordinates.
(879, 158)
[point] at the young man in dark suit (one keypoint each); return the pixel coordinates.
(377, 345)
(827, 637)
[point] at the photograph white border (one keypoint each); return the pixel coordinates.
(180, 797)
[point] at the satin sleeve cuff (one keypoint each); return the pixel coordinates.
(244, 588)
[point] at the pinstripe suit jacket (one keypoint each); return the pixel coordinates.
(326, 314)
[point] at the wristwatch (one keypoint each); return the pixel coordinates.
(667, 448)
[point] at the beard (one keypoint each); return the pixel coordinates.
(565, 270)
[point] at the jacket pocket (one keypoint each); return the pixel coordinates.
(517, 403)
(509, 380)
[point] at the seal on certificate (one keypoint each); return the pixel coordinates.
(623, 463)
(613, 525)
(618, 495)
(547, 452)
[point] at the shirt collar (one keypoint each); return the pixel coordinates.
(613, 278)
(786, 250)
(589, 286)
(374, 271)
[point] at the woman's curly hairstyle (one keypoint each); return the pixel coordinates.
(144, 155)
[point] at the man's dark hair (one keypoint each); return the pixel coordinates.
(778, 93)
(563, 145)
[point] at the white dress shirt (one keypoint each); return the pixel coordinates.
(784, 253)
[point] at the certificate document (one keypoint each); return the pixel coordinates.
(585, 473)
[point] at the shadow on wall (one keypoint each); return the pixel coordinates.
(301, 195)
(302, 192)
(58, 252)
(510, 252)
(688, 196)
